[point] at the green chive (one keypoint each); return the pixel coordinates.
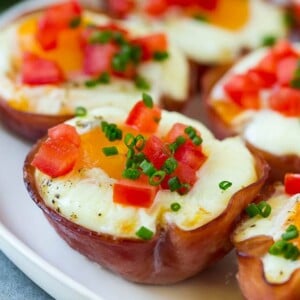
(147, 99)
(111, 131)
(200, 18)
(144, 233)
(110, 151)
(295, 83)
(141, 83)
(157, 177)
(278, 247)
(224, 185)
(100, 37)
(170, 165)
(139, 142)
(129, 140)
(147, 168)
(174, 184)
(119, 62)
(291, 228)
(178, 142)
(252, 210)
(75, 22)
(268, 41)
(190, 131)
(104, 78)
(80, 111)
(264, 209)
(289, 235)
(91, 83)
(131, 173)
(289, 19)
(184, 188)
(197, 140)
(160, 56)
(175, 206)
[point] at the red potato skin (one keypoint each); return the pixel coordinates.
(251, 279)
(170, 256)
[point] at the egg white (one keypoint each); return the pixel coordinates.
(169, 78)
(88, 194)
(206, 43)
(276, 269)
(266, 129)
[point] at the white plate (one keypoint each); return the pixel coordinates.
(31, 243)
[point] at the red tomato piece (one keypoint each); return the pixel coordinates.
(56, 18)
(190, 155)
(205, 4)
(143, 118)
(156, 42)
(120, 8)
(176, 131)
(56, 157)
(286, 101)
(155, 151)
(292, 183)
(283, 49)
(286, 68)
(66, 132)
(36, 70)
(266, 79)
(98, 58)
(134, 193)
(155, 7)
(240, 86)
(268, 63)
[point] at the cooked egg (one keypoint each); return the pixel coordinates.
(265, 129)
(169, 78)
(285, 211)
(85, 196)
(234, 26)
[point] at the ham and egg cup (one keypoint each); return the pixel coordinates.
(209, 32)
(150, 195)
(268, 245)
(55, 62)
(259, 98)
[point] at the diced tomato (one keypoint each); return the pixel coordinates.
(242, 86)
(144, 118)
(176, 131)
(268, 63)
(56, 157)
(266, 79)
(286, 101)
(205, 4)
(120, 8)
(190, 155)
(292, 183)
(155, 7)
(98, 58)
(56, 18)
(286, 68)
(37, 70)
(155, 151)
(66, 132)
(134, 193)
(283, 49)
(156, 42)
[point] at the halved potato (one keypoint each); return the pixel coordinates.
(262, 275)
(184, 242)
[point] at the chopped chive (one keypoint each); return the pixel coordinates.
(197, 140)
(252, 210)
(144, 233)
(292, 228)
(110, 151)
(190, 131)
(224, 185)
(157, 177)
(75, 22)
(91, 83)
(175, 206)
(184, 188)
(147, 99)
(80, 111)
(200, 18)
(131, 173)
(264, 209)
(170, 165)
(160, 56)
(174, 184)
(178, 142)
(119, 62)
(129, 140)
(289, 19)
(104, 78)
(111, 131)
(289, 235)
(278, 247)
(269, 40)
(100, 37)
(139, 142)
(147, 168)
(141, 83)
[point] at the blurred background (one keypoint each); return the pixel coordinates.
(7, 3)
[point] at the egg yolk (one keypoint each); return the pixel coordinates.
(68, 54)
(294, 219)
(229, 14)
(93, 157)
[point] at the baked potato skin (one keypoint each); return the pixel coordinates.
(170, 256)
(30, 126)
(251, 277)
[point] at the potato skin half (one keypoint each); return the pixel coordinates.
(251, 279)
(30, 126)
(170, 256)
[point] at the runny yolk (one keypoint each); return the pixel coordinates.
(93, 156)
(68, 54)
(226, 110)
(229, 14)
(294, 219)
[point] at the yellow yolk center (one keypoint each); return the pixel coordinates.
(93, 157)
(294, 219)
(229, 14)
(68, 54)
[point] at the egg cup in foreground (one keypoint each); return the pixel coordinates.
(63, 58)
(259, 99)
(150, 195)
(267, 245)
